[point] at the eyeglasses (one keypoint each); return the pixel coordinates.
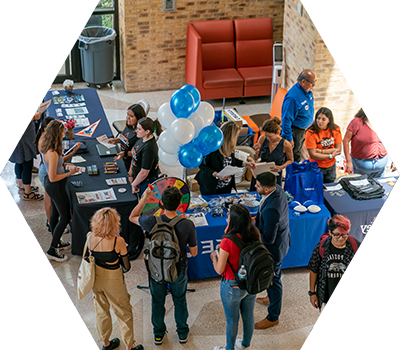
(339, 235)
(311, 82)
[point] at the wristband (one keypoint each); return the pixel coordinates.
(312, 293)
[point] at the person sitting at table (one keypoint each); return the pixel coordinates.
(328, 264)
(42, 169)
(272, 147)
(54, 183)
(324, 143)
(111, 257)
(371, 336)
(127, 138)
(207, 177)
(236, 302)
(367, 155)
(23, 155)
(144, 167)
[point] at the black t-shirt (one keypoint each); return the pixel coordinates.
(128, 138)
(145, 156)
(185, 231)
(335, 269)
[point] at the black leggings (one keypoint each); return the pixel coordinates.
(23, 171)
(60, 208)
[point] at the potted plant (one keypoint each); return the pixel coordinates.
(69, 128)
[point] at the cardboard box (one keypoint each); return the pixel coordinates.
(192, 184)
(394, 94)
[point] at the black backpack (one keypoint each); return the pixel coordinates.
(3, 126)
(259, 264)
(162, 254)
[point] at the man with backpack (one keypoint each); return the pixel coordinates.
(172, 278)
(330, 259)
(272, 221)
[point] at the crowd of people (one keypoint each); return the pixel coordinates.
(282, 142)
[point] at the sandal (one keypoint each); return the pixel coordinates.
(33, 189)
(33, 197)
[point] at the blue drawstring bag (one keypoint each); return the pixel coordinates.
(305, 182)
(374, 293)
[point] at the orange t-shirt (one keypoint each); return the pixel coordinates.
(323, 140)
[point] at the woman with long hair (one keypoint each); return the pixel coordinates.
(111, 257)
(127, 138)
(324, 142)
(272, 147)
(42, 169)
(367, 154)
(54, 183)
(236, 302)
(213, 163)
(144, 168)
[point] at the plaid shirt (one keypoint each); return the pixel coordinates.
(319, 266)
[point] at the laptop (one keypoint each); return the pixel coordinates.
(103, 151)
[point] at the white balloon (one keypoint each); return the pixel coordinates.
(198, 123)
(182, 130)
(167, 143)
(165, 115)
(171, 160)
(206, 111)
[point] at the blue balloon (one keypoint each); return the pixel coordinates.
(182, 104)
(195, 93)
(209, 140)
(189, 156)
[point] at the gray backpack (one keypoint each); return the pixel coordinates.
(162, 254)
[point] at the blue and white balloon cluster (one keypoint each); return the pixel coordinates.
(188, 134)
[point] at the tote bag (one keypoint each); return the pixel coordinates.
(86, 274)
(305, 182)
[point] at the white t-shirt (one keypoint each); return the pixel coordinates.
(391, 278)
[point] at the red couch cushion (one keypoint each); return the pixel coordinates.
(254, 42)
(221, 78)
(256, 75)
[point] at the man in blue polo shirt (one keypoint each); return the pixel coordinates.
(298, 111)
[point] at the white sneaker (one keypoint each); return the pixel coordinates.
(239, 345)
(219, 348)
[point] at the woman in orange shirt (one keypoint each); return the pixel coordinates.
(324, 142)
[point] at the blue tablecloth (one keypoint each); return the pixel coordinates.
(305, 231)
(361, 213)
(93, 106)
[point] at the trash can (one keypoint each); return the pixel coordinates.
(96, 46)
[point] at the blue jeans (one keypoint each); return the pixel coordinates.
(178, 291)
(388, 305)
(237, 301)
(275, 294)
(346, 314)
(375, 168)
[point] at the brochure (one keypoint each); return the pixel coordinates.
(116, 181)
(96, 196)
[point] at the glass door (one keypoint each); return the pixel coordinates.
(54, 35)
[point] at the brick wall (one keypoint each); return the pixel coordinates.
(357, 50)
(153, 43)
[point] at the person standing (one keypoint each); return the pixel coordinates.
(111, 257)
(186, 234)
(298, 111)
(390, 243)
(367, 154)
(327, 265)
(324, 143)
(272, 221)
(236, 302)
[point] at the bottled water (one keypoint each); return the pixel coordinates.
(242, 273)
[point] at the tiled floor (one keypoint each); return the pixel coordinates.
(206, 317)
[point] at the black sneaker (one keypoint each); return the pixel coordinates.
(54, 254)
(138, 347)
(63, 245)
(183, 338)
(158, 339)
(113, 344)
